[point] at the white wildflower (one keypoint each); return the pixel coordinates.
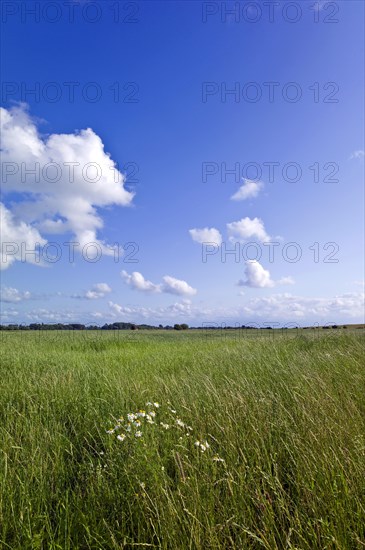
(121, 437)
(138, 434)
(202, 445)
(166, 426)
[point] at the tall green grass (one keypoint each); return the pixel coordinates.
(285, 413)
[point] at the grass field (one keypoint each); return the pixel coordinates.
(280, 421)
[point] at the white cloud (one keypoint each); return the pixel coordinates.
(206, 235)
(102, 287)
(282, 308)
(42, 315)
(170, 285)
(176, 286)
(74, 176)
(9, 294)
(138, 282)
(286, 281)
(287, 307)
(98, 291)
(118, 309)
(178, 309)
(19, 241)
(6, 316)
(247, 228)
(258, 277)
(359, 154)
(250, 189)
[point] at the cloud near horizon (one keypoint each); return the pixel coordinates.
(10, 295)
(283, 308)
(99, 290)
(170, 285)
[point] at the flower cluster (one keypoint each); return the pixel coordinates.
(134, 421)
(165, 418)
(202, 445)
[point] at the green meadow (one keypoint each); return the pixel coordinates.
(182, 440)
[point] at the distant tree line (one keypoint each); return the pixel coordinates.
(134, 326)
(80, 326)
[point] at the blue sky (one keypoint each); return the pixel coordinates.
(151, 89)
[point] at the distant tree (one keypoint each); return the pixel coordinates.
(184, 326)
(177, 327)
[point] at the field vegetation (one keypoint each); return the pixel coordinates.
(182, 440)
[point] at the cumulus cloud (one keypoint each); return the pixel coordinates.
(9, 295)
(170, 285)
(176, 286)
(98, 291)
(258, 277)
(250, 189)
(19, 240)
(118, 309)
(286, 281)
(72, 176)
(247, 228)
(287, 307)
(138, 282)
(181, 309)
(283, 308)
(206, 235)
